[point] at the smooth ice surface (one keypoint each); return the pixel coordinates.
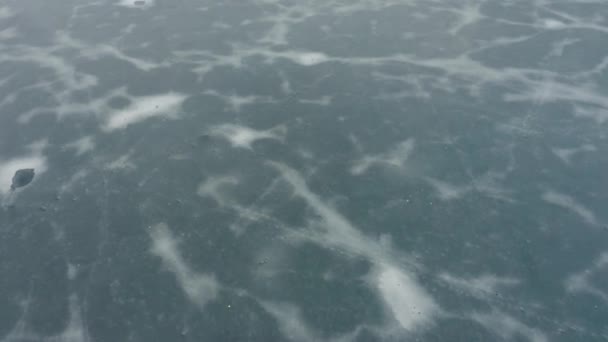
(320, 170)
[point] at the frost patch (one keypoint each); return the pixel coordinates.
(244, 137)
(144, 108)
(410, 304)
(199, 288)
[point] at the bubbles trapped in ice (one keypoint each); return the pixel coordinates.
(22, 178)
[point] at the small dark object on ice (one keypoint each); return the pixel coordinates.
(22, 178)
(141, 3)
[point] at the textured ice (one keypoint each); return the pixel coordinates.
(484, 286)
(82, 145)
(310, 58)
(553, 24)
(410, 304)
(508, 328)
(143, 108)
(582, 282)
(569, 203)
(199, 288)
(446, 191)
(290, 321)
(212, 187)
(396, 157)
(6, 12)
(473, 125)
(237, 102)
(8, 33)
(244, 137)
(8, 168)
(136, 3)
(121, 163)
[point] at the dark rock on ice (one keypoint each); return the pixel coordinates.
(22, 178)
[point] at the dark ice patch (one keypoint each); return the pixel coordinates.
(22, 178)
(139, 2)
